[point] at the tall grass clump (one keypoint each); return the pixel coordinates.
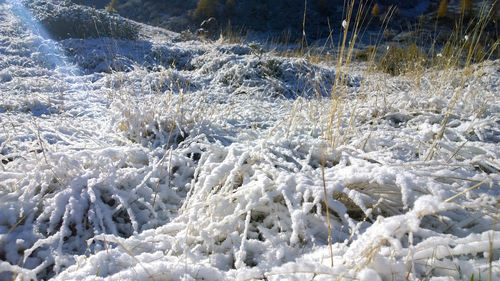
(399, 60)
(462, 54)
(354, 18)
(111, 7)
(442, 9)
(469, 42)
(205, 9)
(375, 10)
(466, 7)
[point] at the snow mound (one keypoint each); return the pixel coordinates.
(66, 20)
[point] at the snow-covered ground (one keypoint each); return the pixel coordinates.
(166, 159)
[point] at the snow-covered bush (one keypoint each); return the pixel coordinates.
(68, 198)
(66, 20)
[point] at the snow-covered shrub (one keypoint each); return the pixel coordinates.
(67, 20)
(146, 126)
(155, 116)
(270, 75)
(67, 198)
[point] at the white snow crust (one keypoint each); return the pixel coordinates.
(170, 159)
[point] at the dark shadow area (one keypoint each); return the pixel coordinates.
(110, 54)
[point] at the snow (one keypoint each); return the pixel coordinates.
(166, 159)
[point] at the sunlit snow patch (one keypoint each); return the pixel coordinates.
(48, 51)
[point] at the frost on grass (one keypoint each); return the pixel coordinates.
(188, 160)
(62, 199)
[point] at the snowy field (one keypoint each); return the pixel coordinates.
(161, 158)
